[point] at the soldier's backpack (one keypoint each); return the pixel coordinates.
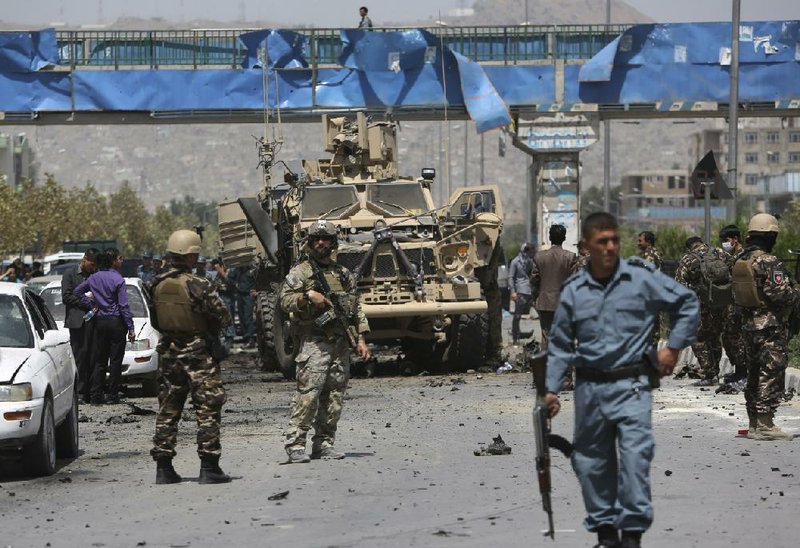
(716, 287)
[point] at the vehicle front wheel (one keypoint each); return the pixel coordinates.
(39, 458)
(67, 431)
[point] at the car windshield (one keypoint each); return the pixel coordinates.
(52, 298)
(136, 302)
(398, 198)
(328, 201)
(14, 329)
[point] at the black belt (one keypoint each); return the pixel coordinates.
(629, 371)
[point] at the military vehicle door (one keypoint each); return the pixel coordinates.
(475, 215)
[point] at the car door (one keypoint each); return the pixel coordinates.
(56, 370)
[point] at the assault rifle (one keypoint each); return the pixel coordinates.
(544, 439)
(336, 315)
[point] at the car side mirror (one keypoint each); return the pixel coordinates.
(52, 338)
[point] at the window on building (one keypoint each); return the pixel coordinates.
(659, 200)
(750, 138)
(671, 182)
(773, 157)
(681, 182)
(659, 178)
(794, 157)
(751, 158)
(773, 137)
(751, 179)
(794, 137)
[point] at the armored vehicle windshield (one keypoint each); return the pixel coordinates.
(329, 202)
(398, 198)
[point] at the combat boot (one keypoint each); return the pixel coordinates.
(327, 453)
(210, 472)
(607, 537)
(298, 456)
(752, 419)
(165, 473)
(767, 431)
(631, 539)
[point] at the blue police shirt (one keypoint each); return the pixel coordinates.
(609, 326)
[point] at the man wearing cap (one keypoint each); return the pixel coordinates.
(146, 271)
(321, 298)
(762, 289)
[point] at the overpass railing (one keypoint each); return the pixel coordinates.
(202, 48)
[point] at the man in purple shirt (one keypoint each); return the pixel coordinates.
(109, 299)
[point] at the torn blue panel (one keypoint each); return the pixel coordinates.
(484, 104)
(28, 51)
(598, 68)
(255, 42)
(168, 89)
(387, 51)
(521, 85)
(287, 49)
(35, 91)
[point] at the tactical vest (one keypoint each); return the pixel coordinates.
(173, 306)
(746, 291)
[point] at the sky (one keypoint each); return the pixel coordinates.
(338, 13)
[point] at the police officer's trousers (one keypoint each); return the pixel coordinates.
(613, 450)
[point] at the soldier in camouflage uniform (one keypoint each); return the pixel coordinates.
(708, 348)
(732, 329)
(647, 251)
(323, 363)
(189, 313)
(764, 292)
(583, 258)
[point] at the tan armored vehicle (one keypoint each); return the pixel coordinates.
(415, 263)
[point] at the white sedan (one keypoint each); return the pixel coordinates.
(140, 362)
(38, 396)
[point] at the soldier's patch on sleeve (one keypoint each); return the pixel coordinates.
(777, 276)
(293, 281)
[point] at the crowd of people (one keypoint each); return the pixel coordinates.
(21, 272)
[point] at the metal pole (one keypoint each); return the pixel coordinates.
(607, 142)
(466, 152)
(483, 180)
(707, 207)
(733, 109)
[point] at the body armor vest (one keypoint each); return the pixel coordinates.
(173, 306)
(746, 292)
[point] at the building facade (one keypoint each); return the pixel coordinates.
(16, 159)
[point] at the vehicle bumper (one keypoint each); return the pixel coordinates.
(435, 308)
(143, 363)
(18, 432)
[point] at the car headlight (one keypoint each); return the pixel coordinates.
(16, 392)
(136, 346)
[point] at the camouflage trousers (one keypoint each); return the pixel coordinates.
(708, 348)
(183, 370)
(767, 358)
(733, 342)
(323, 369)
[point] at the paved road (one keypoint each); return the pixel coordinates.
(410, 478)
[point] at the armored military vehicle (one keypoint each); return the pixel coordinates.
(415, 263)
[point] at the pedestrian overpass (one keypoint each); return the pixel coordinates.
(491, 74)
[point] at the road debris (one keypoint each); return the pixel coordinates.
(279, 496)
(497, 447)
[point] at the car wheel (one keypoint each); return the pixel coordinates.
(150, 387)
(67, 433)
(39, 458)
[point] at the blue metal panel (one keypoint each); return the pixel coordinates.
(521, 85)
(27, 51)
(33, 92)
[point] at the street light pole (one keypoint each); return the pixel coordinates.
(733, 109)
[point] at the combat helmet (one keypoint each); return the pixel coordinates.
(184, 242)
(323, 228)
(763, 222)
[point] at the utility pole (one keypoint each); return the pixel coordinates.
(483, 180)
(607, 142)
(466, 152)
(733, 110)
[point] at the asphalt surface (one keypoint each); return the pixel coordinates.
(410, 477)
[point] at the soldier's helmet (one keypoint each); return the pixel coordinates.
(323, 228)
(184, 242)
(763, 222)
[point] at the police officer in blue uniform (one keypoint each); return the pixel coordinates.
(603, 326)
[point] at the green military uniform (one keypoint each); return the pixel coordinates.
(187, 311)
(651, 254)
(733, 329)
(323, 362)
(708, 348)
(580, 263)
